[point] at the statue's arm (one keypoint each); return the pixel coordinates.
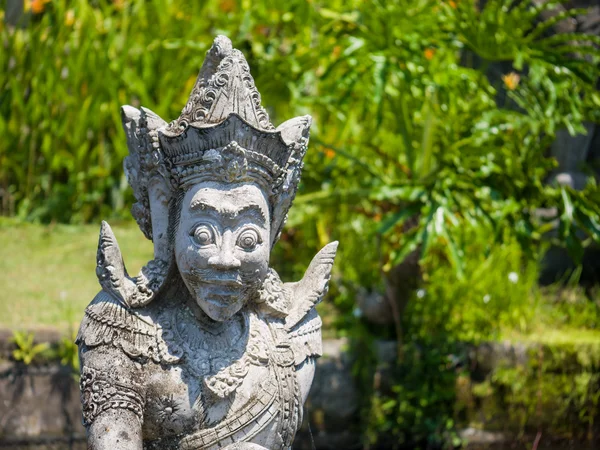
(112, 398)
(305, 374)
(115, 429)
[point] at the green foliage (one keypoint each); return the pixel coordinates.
(67, 352)
(63, 78)
(555, 387)
(26, 350)
(420, 133)
(499, 291)
(441, 320)
(399, 87)
(419, 409)
(432, 125)
(571, 307)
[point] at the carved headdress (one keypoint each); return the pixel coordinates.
(223, 134)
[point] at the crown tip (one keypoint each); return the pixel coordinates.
(221, 47)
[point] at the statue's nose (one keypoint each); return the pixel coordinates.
(225, 257)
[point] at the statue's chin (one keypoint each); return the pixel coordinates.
(219, 307)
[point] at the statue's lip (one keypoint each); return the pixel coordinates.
(214, 277)
(223, 282)
(220, 299)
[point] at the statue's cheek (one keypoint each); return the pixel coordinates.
(190, 257)
(257, 260)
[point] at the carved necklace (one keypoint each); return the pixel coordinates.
(219, 353)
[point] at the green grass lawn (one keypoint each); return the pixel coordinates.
(48, 273)
(48, 276)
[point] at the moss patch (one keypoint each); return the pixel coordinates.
(555, 387)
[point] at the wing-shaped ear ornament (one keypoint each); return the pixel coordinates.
(110, 268)
(113, 276)
(311, 289)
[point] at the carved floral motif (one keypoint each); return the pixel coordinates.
(99, 393)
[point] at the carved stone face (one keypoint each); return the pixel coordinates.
(222, 245)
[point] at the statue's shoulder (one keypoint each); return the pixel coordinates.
(305, 337)
(109, 322)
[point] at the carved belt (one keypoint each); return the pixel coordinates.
(250, 420)
(289, 391)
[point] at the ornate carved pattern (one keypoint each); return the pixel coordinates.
(108, 322)
(144, 161)
(306, 338)
(273, 297)
(224, 363)
(224, 86)
(148, 282)
(99, 393)
(295, 132)
(229, 164)
(166, 409)
(289, 391)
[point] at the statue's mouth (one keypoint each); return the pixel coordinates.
(214, 278)
(219, 292)
(223, 290)
(224, 282)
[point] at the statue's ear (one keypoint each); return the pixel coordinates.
(159, 195)
(295, 133)
(145, 173)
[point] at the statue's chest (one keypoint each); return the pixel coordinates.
(223, 386)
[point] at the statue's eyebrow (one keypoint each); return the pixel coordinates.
(231, 213)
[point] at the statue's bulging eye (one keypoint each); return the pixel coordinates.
(203, 235)
(248, 240)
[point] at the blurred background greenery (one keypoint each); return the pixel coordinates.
(430, 160)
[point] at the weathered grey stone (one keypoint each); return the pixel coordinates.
(206, 348)
(38, 405)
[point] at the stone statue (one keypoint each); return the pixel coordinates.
(206, 348)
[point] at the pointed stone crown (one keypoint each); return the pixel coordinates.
(224, 133)
(224, 86)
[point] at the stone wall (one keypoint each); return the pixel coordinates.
(39, 404)
(40, 407)
(508, 393)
